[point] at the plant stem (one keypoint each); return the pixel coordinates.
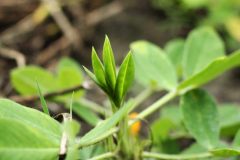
(176, 157)
(159, 103)
(104, 156)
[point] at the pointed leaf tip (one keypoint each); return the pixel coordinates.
(98, 68)
(109, 64)
(125, 77)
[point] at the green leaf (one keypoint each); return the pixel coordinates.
(194, 148)
(43, 102)
(91, 75)
(98, 68)
(31, 117)
(153, 66)
(109, 64)
(174, 50)
(124, 78)
(24, 80)
(85, 113)
(20, 141)
(236, 141)
(91, 151)
(225, 152)
(200, 116)
(28, 133)
(161, 129)
(69, 75)
(99, 131)
(67, 62)
(173, 113)
(214, 69)
(71, 128)
(202, 46)
(229, 115)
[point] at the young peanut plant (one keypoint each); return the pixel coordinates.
(179, 70)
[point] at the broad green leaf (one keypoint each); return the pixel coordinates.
(109, 64)
(174, 50)
(69, 75)
(105, 126)
(67, 62)
(202, 46)
(24, 80)
(161, 129)
(31, 117)
(22, 141)
(98, 68)
(124, 78)
(27, 133)
(229, 115)
(225, 152)
(214, 69)
(236, 141)
(200, 116)
(43, 102)
(173, 113)
(85, 113)
(153, 66)
(194, 148)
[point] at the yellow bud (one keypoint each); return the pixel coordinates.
(135, 128)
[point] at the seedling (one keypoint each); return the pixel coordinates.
(180, 70)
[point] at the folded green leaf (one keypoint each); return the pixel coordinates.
(200, 116)
(153, 66)
(202, 46)
(214, 69)
(109, 64)
(98, 68)
(104, 126)
(124, 78)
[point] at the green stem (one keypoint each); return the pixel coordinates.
(103, 156)
(176, 157)
(159, 103)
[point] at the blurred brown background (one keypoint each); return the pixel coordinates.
(41, 32)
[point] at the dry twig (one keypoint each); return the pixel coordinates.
(13, 54)
(33, 98)
(69, 31)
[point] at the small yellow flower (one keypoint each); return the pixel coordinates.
(135, 128)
